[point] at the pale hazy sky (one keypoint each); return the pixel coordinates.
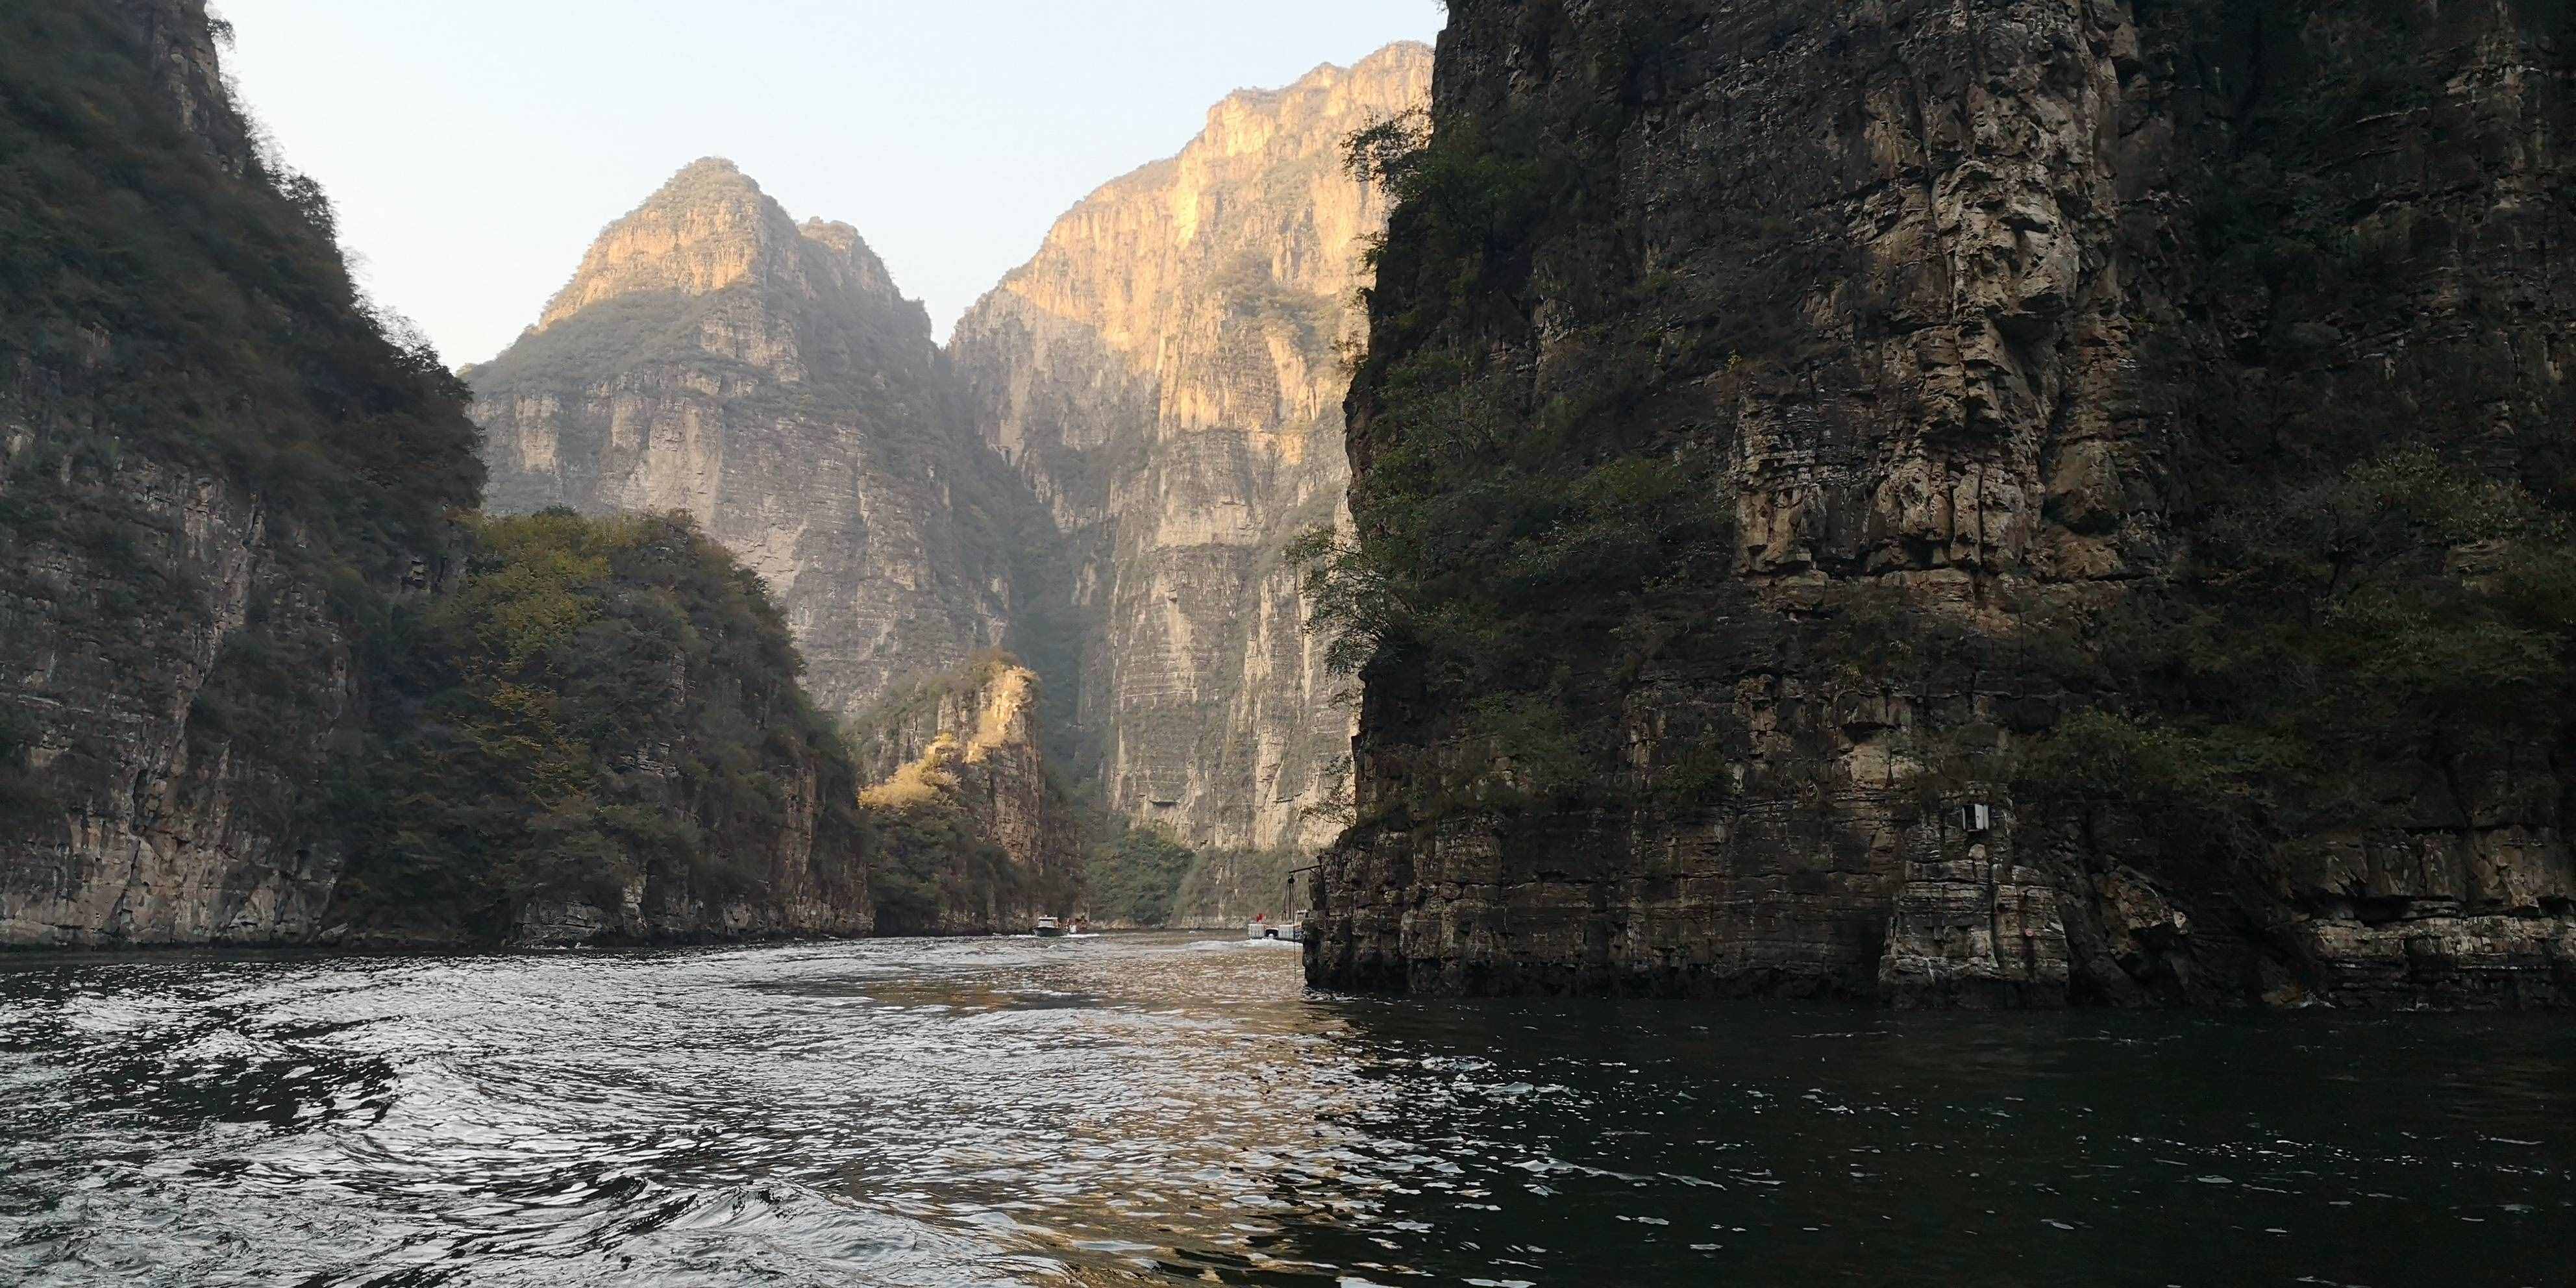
(474, 147)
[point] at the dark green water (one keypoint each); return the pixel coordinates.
(1158, 1109)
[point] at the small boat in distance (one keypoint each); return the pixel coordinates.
(1263, 927)
(1292, 925)
(1050, 928)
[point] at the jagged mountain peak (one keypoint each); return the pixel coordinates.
(1258, 198)
(710, 228)
(704, 174)
(714, 355)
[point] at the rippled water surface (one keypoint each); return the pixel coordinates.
(1163, 1109)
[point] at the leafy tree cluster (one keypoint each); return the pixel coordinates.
(927, 863)
(600, 705)
(1133, 873)
(1143, 874)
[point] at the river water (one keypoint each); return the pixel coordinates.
(1153, 1109)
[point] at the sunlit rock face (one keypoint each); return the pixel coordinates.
(714, 357)
(968, 745)
(1164, 375)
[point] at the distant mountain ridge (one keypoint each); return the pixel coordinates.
(1101, 473)
(714, 357)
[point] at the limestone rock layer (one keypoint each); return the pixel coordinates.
(967, 747)
(1164, 375)
(146, 585)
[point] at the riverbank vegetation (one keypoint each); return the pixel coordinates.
(1143, 875)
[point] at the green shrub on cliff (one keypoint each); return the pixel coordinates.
(2393, 649)
(1133, 872)
(174, 311)
(202, 318)
(2361, 609)
(1504, 527)
(927, 861)
(1143, 874)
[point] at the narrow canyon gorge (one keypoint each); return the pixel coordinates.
(1101, 474)
(2035, 503)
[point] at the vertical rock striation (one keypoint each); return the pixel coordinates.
(131, 816)
(1165, 376)
(715, 358)
(1789, 426)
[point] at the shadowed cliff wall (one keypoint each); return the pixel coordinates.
(1786, 425)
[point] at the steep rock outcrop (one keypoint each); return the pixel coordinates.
(1788, 429)
(178, 44)
(1165, 376)
(715, 358)
(965, 747)
(132, 818)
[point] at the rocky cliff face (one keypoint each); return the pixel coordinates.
(178, 45)
(715, 358)
(595, 734)
(1164, 375)
(161, 562)
(966, 747)
(1937, 502)
(130, 818)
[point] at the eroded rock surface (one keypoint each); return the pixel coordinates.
(1164, 376)
(227, 515)
(141, 586)
(968, 745)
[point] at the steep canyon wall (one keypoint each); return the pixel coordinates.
(2012, 502)
(712, 357)
(1165, 376)
(156, 565)
(716, 358)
